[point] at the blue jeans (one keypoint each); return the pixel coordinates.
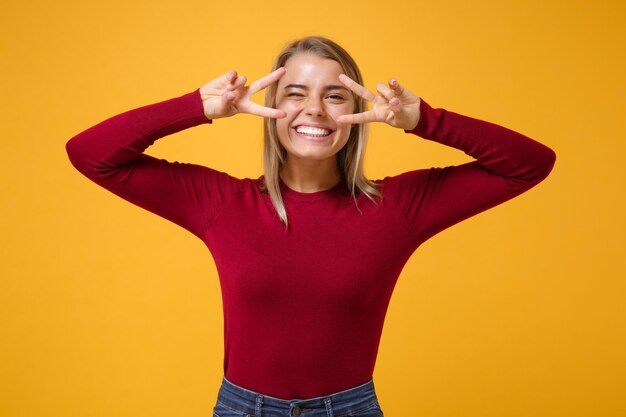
(235, 401)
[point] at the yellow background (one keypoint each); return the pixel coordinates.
(107, 310)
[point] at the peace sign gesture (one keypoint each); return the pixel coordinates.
(228, 95)
(394, 105)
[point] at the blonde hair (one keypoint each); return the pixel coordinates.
(349, 158)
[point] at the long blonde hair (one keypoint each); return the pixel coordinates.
(349, 158)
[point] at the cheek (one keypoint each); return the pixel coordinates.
(292, 109)
(347, 108)
(281, 126)
(345, 133)
(289, 105)
(282, 129)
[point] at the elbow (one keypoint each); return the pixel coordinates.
(541, 166)
(72, 147)
(78, 155)
(546, 163)
(536, 168)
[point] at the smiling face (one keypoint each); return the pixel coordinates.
(312, 96)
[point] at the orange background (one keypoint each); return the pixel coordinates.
(107, 310)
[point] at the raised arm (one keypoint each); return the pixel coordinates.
(506, 163)
(111, 152)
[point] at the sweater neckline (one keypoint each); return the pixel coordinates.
(338, 189)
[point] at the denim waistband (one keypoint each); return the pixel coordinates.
(254, 404)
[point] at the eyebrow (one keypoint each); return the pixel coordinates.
(327, 88)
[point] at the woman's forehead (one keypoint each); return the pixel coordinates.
(311, 70)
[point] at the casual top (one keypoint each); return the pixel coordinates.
(304, 306)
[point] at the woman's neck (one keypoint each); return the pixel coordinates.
(307, 176)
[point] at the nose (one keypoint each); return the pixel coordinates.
(314, 107)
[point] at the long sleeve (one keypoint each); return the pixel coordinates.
(111, 154)
(506, 164)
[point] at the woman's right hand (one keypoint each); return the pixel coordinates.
(228, 95)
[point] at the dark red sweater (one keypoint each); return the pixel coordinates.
(304, 307)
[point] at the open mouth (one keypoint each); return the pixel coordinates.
(314, 132)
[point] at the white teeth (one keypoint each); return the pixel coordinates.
(312, 131)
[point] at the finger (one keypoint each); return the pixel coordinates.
(238, 82)
(257, 109)
(227, 79)
(384, 91)
(262, 83)
(358, 118)
(397, 89)
(230, 76)
(356, 87)
(395, 105)
(229, 96)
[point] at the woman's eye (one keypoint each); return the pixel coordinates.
(335, 97)
(295, 95)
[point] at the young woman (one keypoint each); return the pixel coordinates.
(308, 255)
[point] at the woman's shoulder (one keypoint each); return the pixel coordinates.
(407, 188)
(408, 178)
(216, 180)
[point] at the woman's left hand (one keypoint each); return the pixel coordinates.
(394, 105)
